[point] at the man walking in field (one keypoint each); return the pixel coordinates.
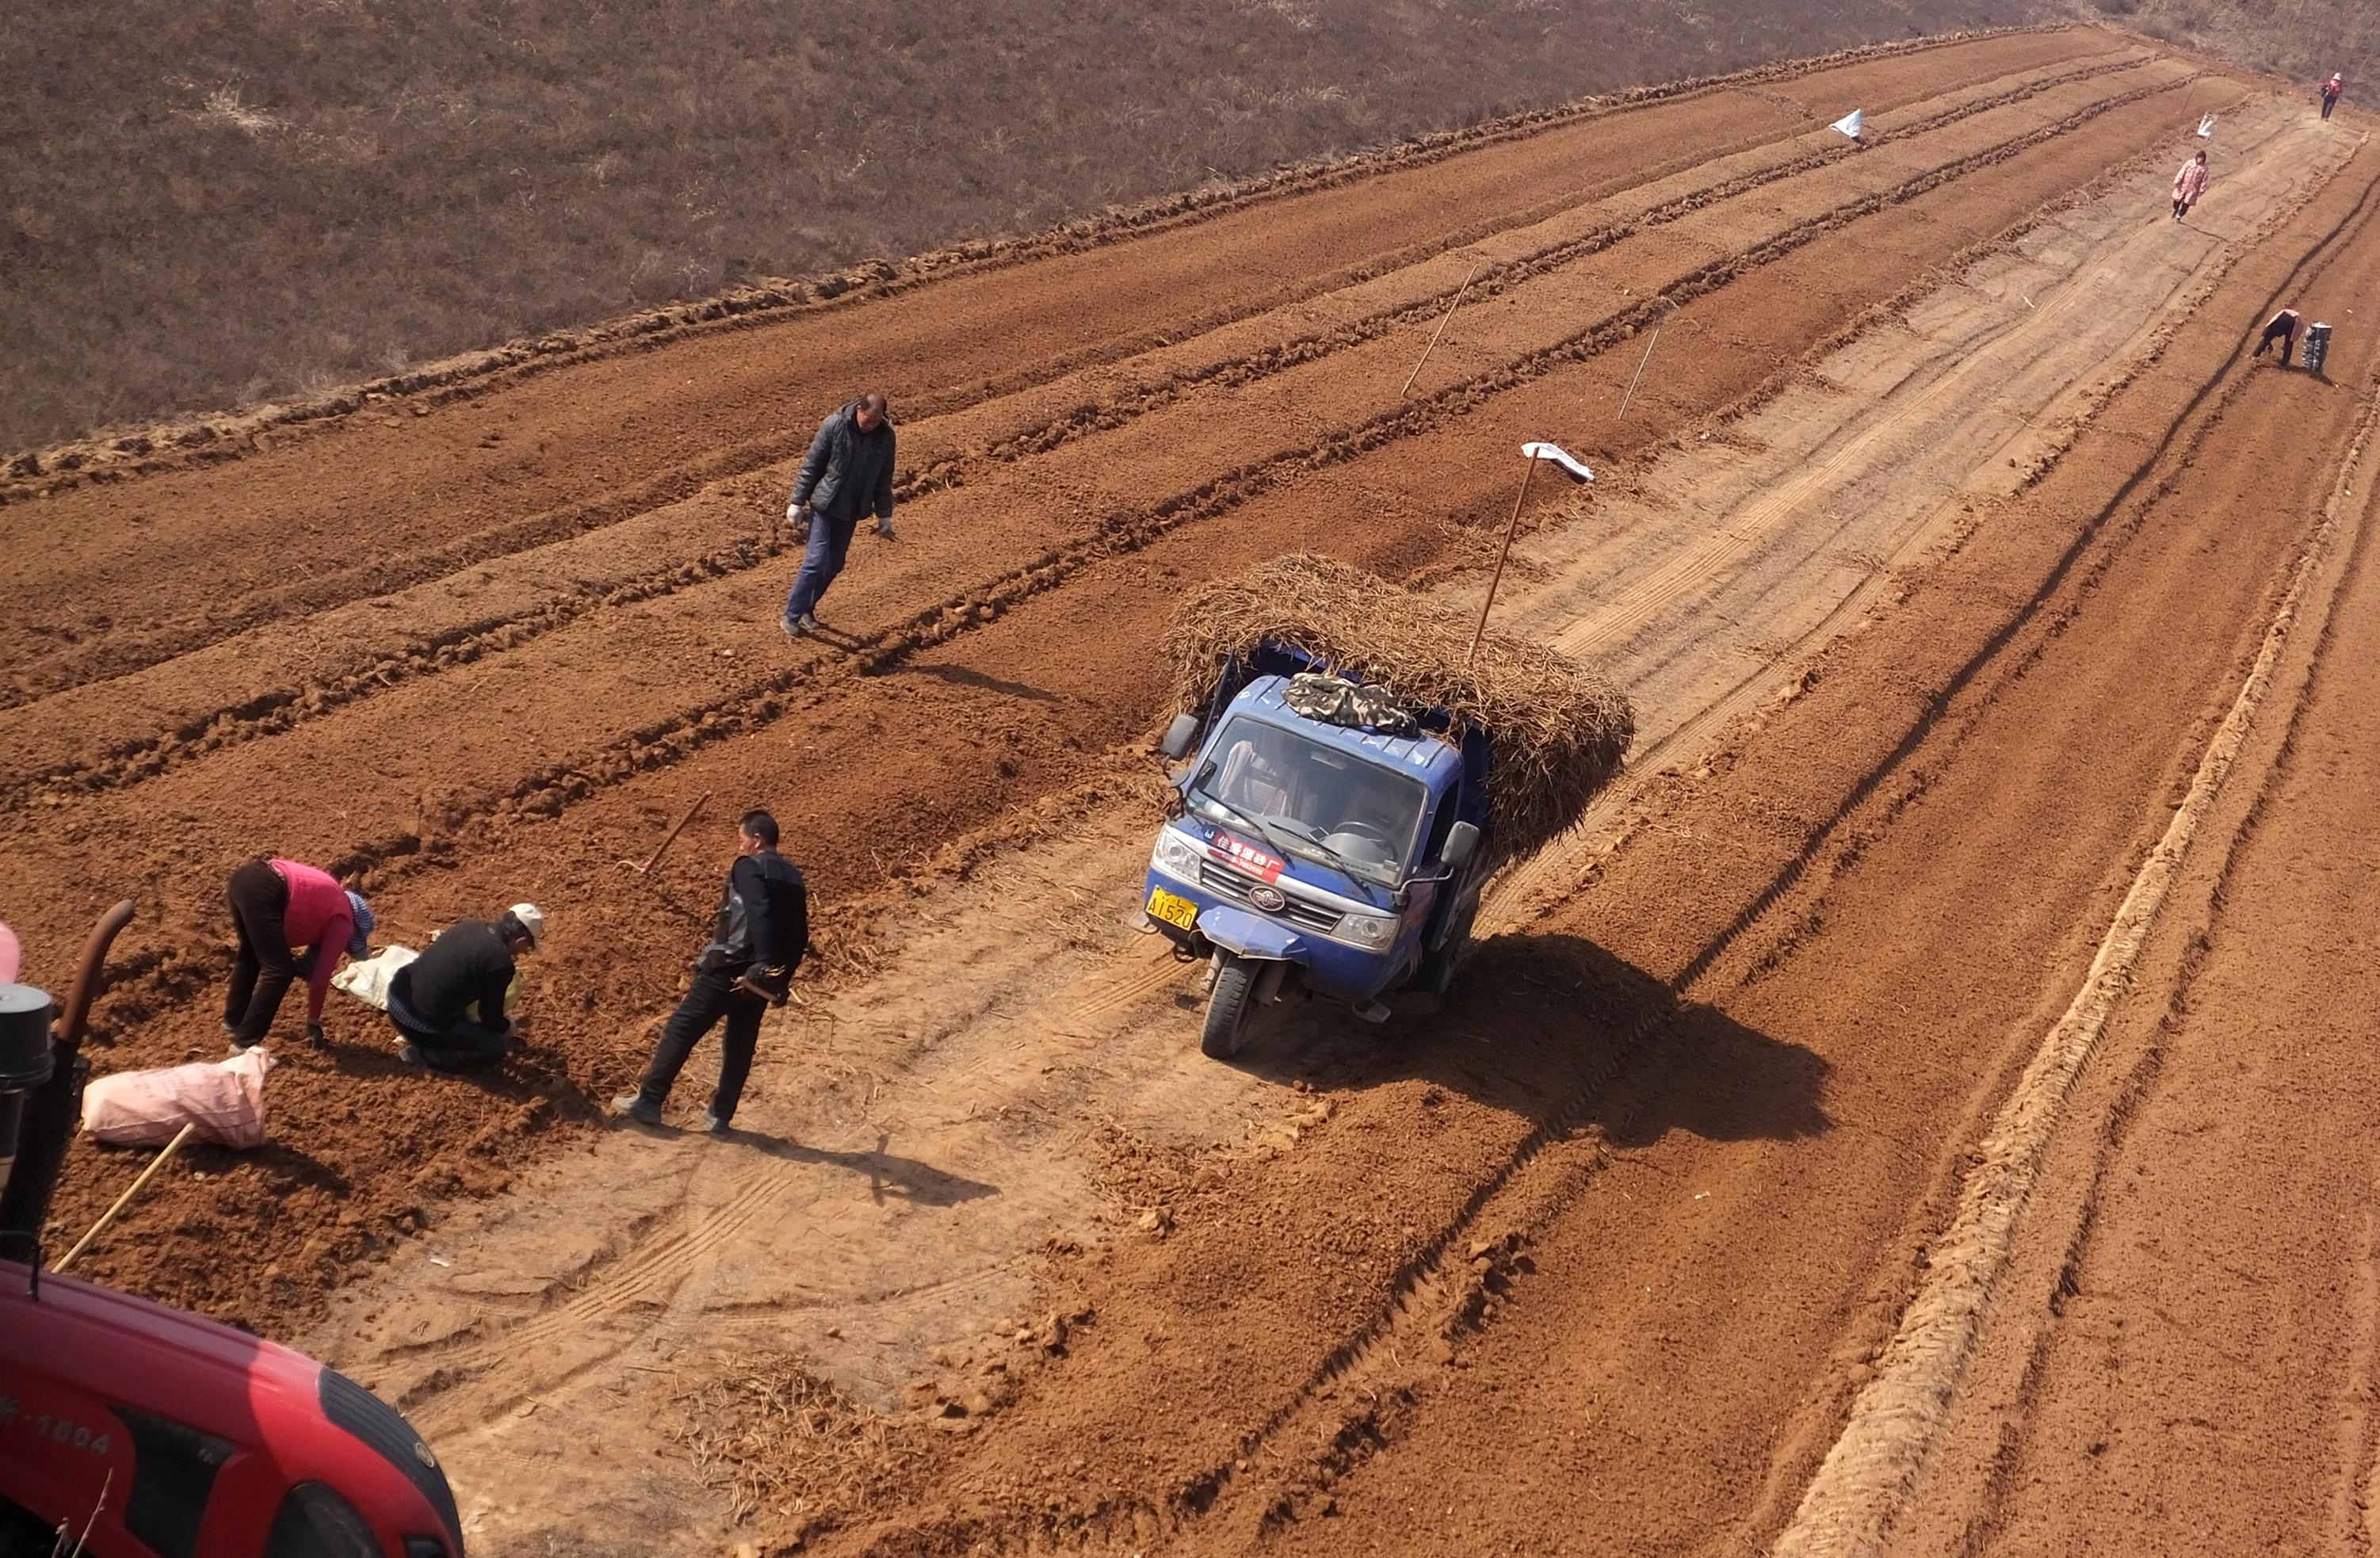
(2188, 185)
(748, 966)
(848, 473)
(2331, 91)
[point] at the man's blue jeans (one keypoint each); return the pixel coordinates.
(830, 542)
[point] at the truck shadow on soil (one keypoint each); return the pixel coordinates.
(1560, 1031)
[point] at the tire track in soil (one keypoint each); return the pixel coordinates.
(403, 528)
(756, 705)
(284, 708)
(1753, 944)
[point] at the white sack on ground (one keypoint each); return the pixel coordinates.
(368, 980)
(225, 1099)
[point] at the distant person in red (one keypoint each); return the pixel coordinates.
(280, 905)
(2330, 90)
(2188, 185)
(2281, 327)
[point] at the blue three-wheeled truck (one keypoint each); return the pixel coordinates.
(1325, 837)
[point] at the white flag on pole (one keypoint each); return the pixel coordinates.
(2207, 127)
(1560, 457)
(1849, 124)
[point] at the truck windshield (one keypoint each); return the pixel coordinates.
(1317, 800)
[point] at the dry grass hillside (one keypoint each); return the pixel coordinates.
(210, 204)
(2305, 39)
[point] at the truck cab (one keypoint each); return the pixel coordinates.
(1315, 853)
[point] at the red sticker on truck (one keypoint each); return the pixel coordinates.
(1246, 856)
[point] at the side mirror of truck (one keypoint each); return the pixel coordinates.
(1178, 738)
(1461, 839)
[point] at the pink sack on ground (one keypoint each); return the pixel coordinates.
(225, 1099)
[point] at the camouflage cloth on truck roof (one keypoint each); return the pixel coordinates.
(1337, 700)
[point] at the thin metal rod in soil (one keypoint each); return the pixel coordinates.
(125, 1199)
(1512, 529)
(1647, 357)
(1440, 331)
(654, 858)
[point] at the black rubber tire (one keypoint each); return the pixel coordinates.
(1229, 1008)
(1438, 968)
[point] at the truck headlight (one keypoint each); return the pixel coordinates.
(1368, 931)
(1176, 853)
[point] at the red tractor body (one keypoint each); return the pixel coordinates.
(192, 1440)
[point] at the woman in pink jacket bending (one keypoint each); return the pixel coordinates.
(279, 906)
(2188, 185)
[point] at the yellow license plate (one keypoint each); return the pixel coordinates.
(1176, 911)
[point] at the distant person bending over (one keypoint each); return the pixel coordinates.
(449, 1002)
(278, 906)
(748, 966)
(849, 472)
(2188, 185)
(2331, 91)
(2281, 327)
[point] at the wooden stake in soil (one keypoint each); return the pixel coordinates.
(1532, 453)
(1647, 357)
(123, 1200)
(654, 858)
(1441, 331)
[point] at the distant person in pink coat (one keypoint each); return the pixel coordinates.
(280, 905)
(2188, 185)
(2330, 90)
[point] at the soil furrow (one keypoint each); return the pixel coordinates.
(753, 705)
(944, 468)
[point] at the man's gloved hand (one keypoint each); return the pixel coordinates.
(797, 515)
(315, 1036)
(771, 985)
(885, 528)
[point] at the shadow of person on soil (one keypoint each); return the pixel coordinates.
(961, 676)
(1558, 1030)
(890, 1175)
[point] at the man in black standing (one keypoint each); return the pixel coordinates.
(748, 966)
(848, 473)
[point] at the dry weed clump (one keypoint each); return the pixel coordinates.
(1560, 729)
(775, 1439)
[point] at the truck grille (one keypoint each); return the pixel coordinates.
(1232, 884)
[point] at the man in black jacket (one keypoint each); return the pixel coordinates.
(449, 1002)
(748, 966)
(849, 472)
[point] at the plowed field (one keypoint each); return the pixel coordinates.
(1760, 1187)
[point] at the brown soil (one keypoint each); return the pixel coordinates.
(1937, 541)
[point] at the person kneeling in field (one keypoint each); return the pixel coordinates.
(449, 1002)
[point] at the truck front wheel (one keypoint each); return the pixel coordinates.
(1228, 1008)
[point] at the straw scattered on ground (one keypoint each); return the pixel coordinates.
(775, 1441)
(1560, 729)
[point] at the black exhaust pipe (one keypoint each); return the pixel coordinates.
(42, 1076)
